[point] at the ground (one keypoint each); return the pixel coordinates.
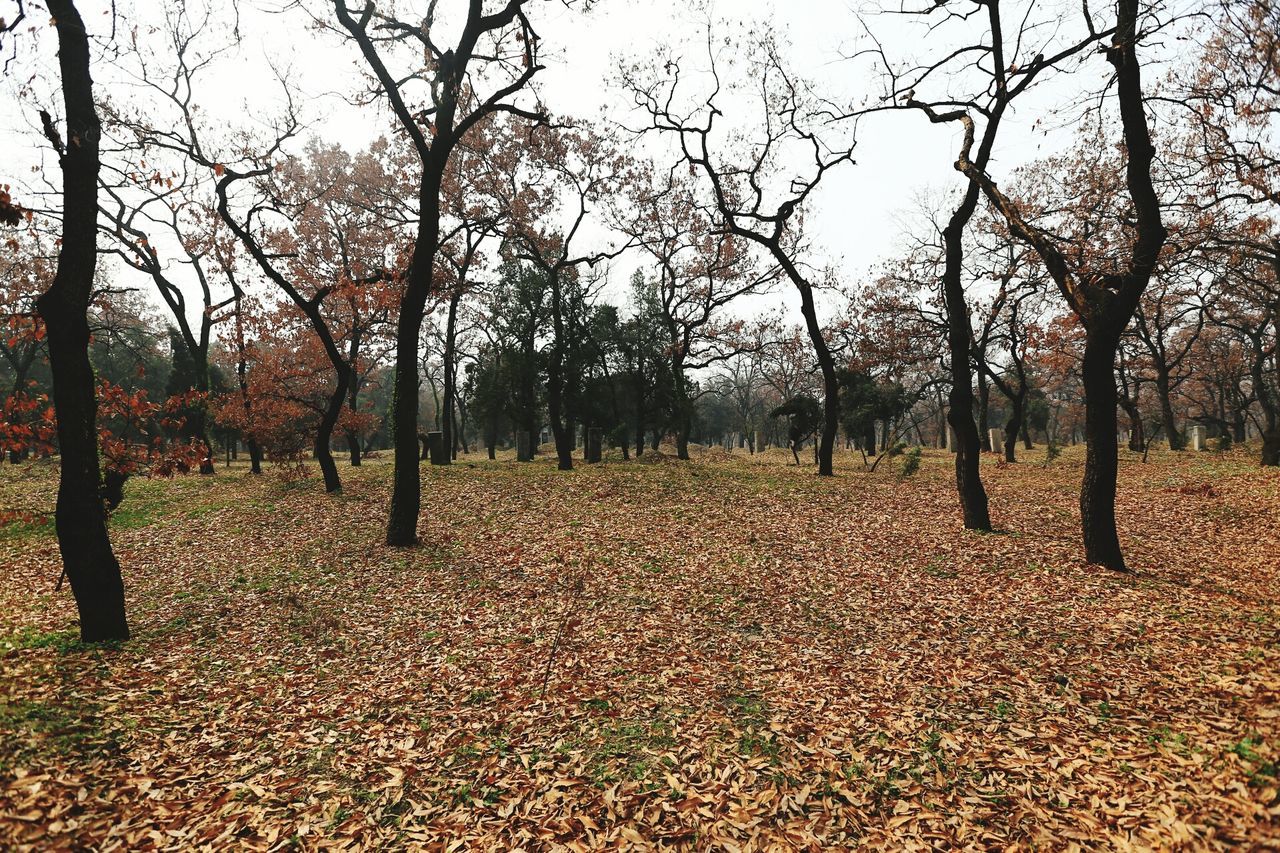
(724, 654)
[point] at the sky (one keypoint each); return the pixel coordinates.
(859, 215)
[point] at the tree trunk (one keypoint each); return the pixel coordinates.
(555, 381)
(1014, 425)
(984, 408)
(80, 517)
(353, 438)
(450, 394)
(406, 483)
(1271, 448)
(684, 424)
(353, 447)
(1098, 491)
(324, 433)
(1166, 411)
(830, 381)
(973, 497)
(242, 379)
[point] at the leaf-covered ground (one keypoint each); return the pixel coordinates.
(748, 657)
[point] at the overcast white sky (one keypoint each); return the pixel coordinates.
(858, 216)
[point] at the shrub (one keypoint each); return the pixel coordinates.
(910, 461)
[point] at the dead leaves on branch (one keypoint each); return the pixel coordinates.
(749, 658)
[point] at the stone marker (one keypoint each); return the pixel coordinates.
(951, 438)
(997, 440)
(524, 447)
(1197, 437)
(436, 449)
(594, 437)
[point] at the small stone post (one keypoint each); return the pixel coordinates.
(997, 440)
(594, 437)
(436, 449)
(1197, 437)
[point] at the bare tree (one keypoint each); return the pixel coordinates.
(1102, 291)
(756, 194)
(463, 84)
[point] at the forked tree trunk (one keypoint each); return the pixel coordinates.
(80, 518)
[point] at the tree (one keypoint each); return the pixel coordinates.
(455, 104)
(582, 166)
(1102, 291)
(25, 273)
(1005, 68)
(804, 417)
(701, 271)
(80, 519)
(750, 198)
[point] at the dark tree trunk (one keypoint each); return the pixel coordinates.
(80, 517)
(353, 447)
(555, 381)
(830, 381)
(447, 425)
(242, 379)
(324, 433)
(1013, 426)
(1164, 394)
(1098, 491)
(973, 497)
(1271, 447)
(353, 438)
(684, 424)
(1137, 431)
(406, 483)
(199, 414)
(984, 408)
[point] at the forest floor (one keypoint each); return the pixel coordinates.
(727, 654)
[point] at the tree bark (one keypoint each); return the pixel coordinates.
(80, 517)
(1098, 491)
(1164, 393)
(406, 482)
(973, 496)
(450, 341)
(1013, 427)
(984, 408)
(324, 432)
(555, 381)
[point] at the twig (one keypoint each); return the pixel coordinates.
(578, 585)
